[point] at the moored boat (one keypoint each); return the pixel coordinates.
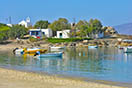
(57, 54)
(28, 50)
(18, 51)
(128, 49)
(56, 48)
(34, 50)
(92, 47)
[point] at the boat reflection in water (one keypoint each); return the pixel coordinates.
(127, 56)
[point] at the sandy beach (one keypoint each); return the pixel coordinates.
(19, 79)
(12, 44)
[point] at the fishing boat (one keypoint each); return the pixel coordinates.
(28, 50)
(55, 48)
(92, 47)
(128, 49)
(57, 54)
(18, 51)
(34, 50)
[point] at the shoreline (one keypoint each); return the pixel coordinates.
(16, 78)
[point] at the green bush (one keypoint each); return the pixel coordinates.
(60, 40)
(32, 39)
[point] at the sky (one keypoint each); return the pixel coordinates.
(109, 12)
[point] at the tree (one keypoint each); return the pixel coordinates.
(80, 23)
(41, 24)
(59, 25)
(17, 31)
(3, 32)
(96, 25)
(84, 28)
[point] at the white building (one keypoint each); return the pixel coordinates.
(63, 34)
(40, 33)
(99, 35)
(10, 25)
(26, 23)
(47, 32)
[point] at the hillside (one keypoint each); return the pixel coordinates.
(124, 29)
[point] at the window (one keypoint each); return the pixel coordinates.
(60, 35)
(43, 33)
(37, 33)
(32, 32)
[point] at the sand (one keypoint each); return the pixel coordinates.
(13, 44)
(18, 79)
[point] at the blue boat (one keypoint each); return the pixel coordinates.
(57, 54)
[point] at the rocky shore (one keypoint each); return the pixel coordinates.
(43, 44)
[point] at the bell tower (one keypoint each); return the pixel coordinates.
(28, 20)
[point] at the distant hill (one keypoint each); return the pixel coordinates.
(124, 29)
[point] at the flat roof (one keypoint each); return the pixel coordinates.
(34, 29)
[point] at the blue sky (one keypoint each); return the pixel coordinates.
(110, 12)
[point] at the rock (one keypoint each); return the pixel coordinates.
(85, 41)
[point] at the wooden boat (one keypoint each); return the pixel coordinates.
(18, 51)
(29, 51)
(128, 49)
(34, 50)
(57, 54)
(92, 47)
(54, 48)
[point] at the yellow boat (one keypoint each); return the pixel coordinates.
(33, 50)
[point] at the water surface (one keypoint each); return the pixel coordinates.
(100, 64)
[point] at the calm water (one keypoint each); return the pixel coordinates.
(102, 64)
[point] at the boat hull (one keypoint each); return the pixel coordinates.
(56, 48)
(92, 47)
(50, 55)
(34, 51)
(30, 51)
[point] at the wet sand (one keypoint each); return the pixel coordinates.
(18, 79)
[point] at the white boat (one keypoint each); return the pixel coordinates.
(92, 47)
(57, 54)
(54, 48)
(128, 49)
(18, 51)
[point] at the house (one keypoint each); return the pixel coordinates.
(35, 33)
(9, 25)
(39, 33)
(26, 23)
(63, 34)
(108, 32)
(47, 32)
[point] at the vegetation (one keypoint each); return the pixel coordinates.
(17, 31)
(59, 25)
(90, 28)
(60, 40)
(3, 32)
(32, 39)
(41, 24)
